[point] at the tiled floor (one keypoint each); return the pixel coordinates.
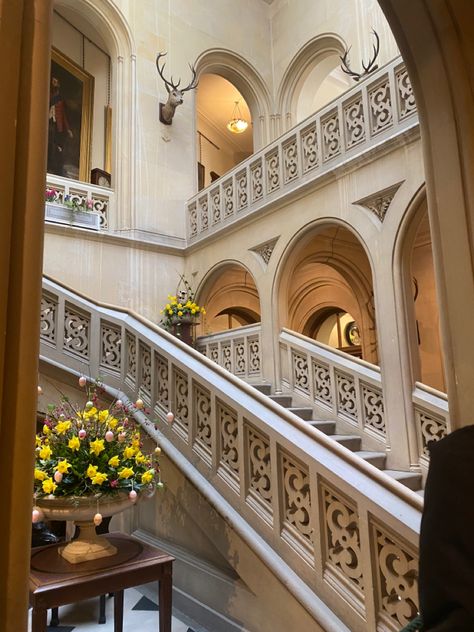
(140, 614)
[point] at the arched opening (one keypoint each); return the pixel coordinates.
(220, 144)
(230, 297)
(424, 315)
(326, 291)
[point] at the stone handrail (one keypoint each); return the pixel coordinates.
(379, 108)
(344, 529)
(81, 192)
(236, 350)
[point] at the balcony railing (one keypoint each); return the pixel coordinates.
(340, 529)
(81, 192)
(381, 107)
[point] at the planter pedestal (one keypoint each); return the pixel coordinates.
(182, 328)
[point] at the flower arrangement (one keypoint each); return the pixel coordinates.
(93, 449)
(180, 307)
(75, 203)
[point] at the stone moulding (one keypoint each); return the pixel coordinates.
(379, 203)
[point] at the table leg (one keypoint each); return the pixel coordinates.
(38, 619)
(118, 611)
(54, 621)
(102, 609)
(165, 591)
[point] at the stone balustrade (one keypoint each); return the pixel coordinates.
(340, 525)
(376, 111)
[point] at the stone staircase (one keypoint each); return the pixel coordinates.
(412, 480)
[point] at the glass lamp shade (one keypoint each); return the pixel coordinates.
(237, 126)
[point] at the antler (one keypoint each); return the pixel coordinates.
(168, 84)
(171, 85)
(370, 67)
(376, 49)
(193, 83)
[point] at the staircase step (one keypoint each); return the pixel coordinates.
(283, 400)
(351, 442)
(266, 389)
(411, 479)
(375, 458)
(304, 413)
(328, 427)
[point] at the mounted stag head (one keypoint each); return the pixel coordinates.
(370, 67)
(175, 94)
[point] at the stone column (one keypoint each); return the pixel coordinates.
(25, 27)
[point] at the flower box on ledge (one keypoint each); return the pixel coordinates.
(60, 214)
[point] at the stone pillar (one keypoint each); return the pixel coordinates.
(25, 27)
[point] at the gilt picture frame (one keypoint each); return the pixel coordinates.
(70, 118)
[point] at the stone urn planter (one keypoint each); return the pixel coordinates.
(183, 328)
(61, 214)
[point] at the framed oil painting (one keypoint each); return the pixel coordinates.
(70, 118)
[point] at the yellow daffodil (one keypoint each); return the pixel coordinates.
(46, 429)
(49, 486)
(179, 306)
(90, 413)
(45, 453)
(39, 475)
(193, 311)
(38, 441)
(180, 313)
(167, 306)
(114, 461)
(140, 458)
(74, 443)
(147, 476)
(103, 415)
(127, 472)
(113, 422)
(92, 470)
(97, 446)
(63, 466)
(129, 452)
(62, 427)
(99, 478)
(170, 311)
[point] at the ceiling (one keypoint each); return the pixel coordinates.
(215, 101)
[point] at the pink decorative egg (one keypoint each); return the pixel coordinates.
(121, 436)
(109, 436)
(40, 390)
(82, 381)
(37, 515)
(97, 519)
(133, 496)
(82, 433)
(157, 450)
(170, 416)
(139, 404)
(119, 403)
(58, 477)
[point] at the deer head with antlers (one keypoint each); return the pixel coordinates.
(368, 68)
(175, 94)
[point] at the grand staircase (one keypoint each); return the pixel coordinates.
(352, 442)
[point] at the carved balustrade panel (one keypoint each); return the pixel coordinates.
(380, 106)
(214, 353)
(216, 206)
(346, 395)
(242, 193)
(240, 357)
(300, 371)
(406, 98)
(397, 579)
(430, 428)
(322, 383)
(226, 356)
(110, 346)
(49, 318)
(204, 213)
(193, 220)
(297, 527)
(259, 472)
(373, 409)
(309, 148)
(343, 557)
(228, 191)
(131, 362)
(228, 429)
(101, 206)
(161, 390)
(272, 161)
(145, 372)
(290, 160)
(256, 181)
(254, 355)
(354, 122)
(202, 420)
(331, 136)
(76, 331)
(180, 403)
